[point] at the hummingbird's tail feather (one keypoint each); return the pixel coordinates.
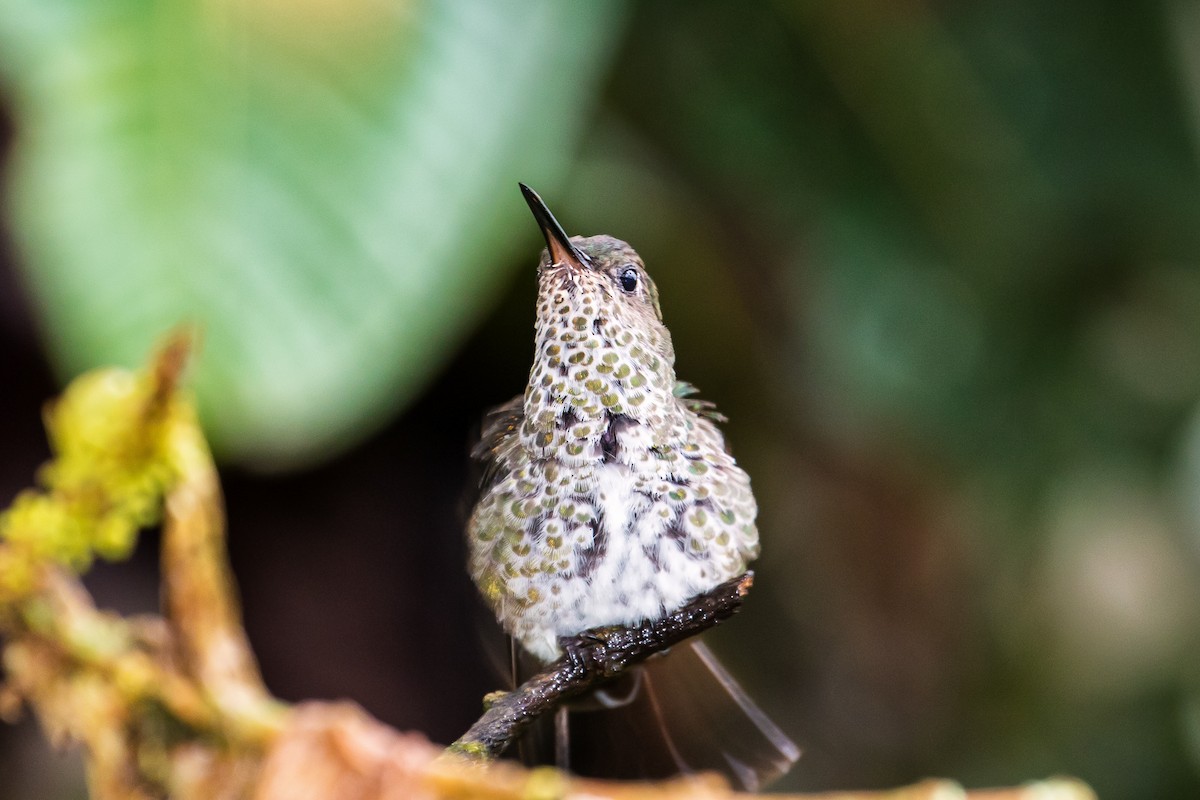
(681, 712)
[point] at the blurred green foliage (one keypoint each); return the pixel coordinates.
(940, 264)
(316, 183)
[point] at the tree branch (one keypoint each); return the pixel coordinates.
(592, 658)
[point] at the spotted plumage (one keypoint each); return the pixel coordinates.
(609, 496)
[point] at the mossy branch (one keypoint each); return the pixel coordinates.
(173, 705)
(128, 453)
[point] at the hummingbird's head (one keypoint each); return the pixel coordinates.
(605, 281)
(602, 345)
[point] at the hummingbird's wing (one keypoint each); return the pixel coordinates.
(500, 426)
(681, 712)
(705, 408)
(489, 464)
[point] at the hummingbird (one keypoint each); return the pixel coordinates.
(609, 498)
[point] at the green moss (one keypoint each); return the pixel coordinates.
(110, 434)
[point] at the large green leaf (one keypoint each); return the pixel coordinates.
(328, 188)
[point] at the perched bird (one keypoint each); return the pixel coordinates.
(609, 498)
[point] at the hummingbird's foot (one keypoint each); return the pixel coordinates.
(579, 653)
(588, 654)
(491, 698)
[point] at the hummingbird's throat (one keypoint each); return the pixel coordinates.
(595, 383)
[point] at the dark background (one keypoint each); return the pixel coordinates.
(940, 265)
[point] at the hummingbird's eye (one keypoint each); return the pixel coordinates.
(629, 279)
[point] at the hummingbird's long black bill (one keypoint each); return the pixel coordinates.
(558, 244)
